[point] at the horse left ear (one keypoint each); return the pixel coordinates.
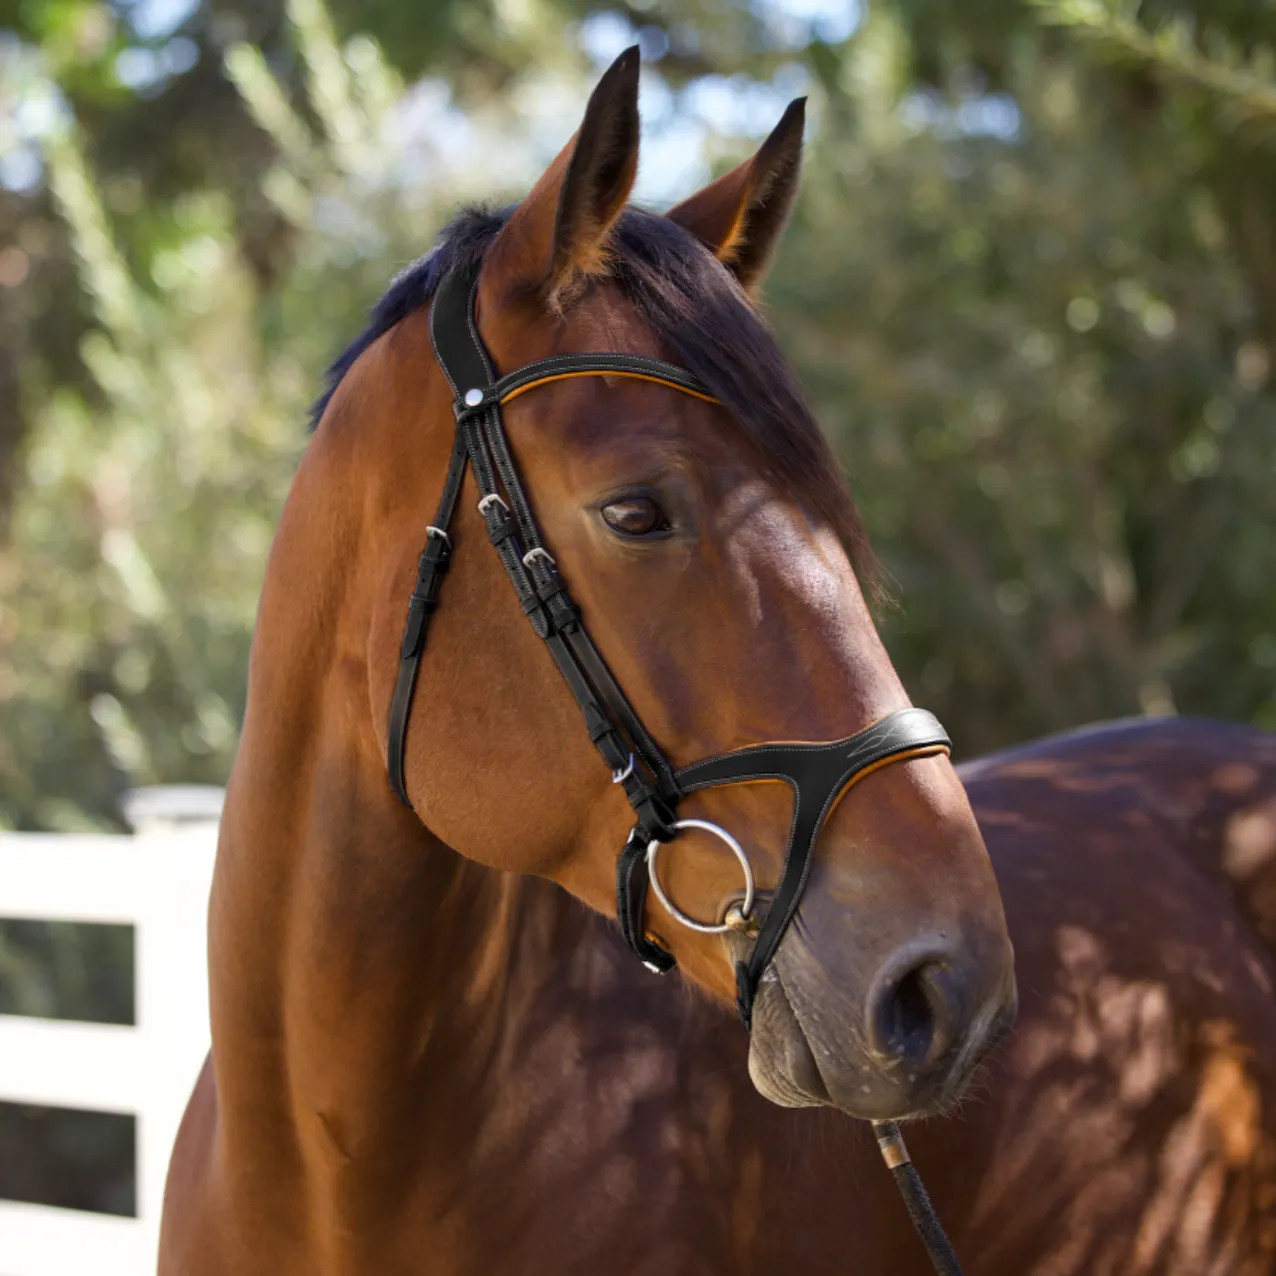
(740, 217)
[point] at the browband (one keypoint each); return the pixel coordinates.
(565, 367)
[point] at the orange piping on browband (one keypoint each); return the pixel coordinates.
(604, 372)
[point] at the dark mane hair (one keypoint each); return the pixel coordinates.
(708, 326)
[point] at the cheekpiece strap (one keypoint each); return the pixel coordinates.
(431, 567)
(636, 762)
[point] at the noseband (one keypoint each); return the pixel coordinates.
(818, 773)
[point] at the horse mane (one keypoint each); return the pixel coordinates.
(694, 305)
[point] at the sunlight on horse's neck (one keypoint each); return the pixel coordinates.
(358, 965)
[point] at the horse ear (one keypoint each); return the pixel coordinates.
(559, 232)
(739, 217)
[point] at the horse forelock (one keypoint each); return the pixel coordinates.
(699, 312)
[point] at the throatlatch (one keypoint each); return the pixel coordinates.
(818, 773)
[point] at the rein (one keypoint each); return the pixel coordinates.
(818, 773)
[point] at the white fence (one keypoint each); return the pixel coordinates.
(156, 882)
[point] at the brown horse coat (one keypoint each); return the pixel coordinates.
(435, 1060)
(582, 1116)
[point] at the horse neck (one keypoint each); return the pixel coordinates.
(356, 963)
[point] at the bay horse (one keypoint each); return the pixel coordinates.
(431, 1051)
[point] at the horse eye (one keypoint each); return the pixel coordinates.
(635, 516)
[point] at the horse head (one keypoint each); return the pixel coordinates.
(712, 552)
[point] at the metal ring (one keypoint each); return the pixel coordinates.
(538, 551)
(488, 500)
(705, 928)
(440, 533)
(620, 776)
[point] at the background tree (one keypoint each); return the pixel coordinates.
(1030, 283)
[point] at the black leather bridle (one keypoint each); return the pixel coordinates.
(818, 773)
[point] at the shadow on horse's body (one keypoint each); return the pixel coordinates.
(1129, 1127)
(434, 1060)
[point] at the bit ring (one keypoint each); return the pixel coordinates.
(705, 928)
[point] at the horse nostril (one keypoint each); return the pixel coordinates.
(912, 1016)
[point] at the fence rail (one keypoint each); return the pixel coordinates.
(156, 882)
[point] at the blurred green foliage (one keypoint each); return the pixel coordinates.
(1042, 344)
(67, 970)
(1030, 285)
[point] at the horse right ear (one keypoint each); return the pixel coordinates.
(740, 217)
(558, 235)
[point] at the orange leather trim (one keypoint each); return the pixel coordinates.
(924, 751)
(636, 376)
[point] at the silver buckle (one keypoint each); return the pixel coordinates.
(486, 503)
(440, 533)
(619, 777)
(538, 551)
